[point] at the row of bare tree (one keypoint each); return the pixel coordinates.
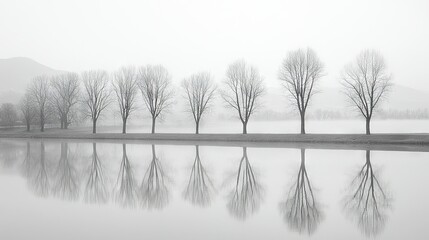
(365, 82)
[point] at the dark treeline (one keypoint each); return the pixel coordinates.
(69, 98)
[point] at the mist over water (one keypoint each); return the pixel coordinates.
(111, 190)
(278, 127)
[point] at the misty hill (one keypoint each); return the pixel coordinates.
(16, 73)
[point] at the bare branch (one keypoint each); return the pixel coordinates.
(300, 72)
(243, 88)
(96, 95)
(125, 87)
(365, 82)
(155, 85)
(199, 89)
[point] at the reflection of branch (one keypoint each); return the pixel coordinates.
(95, 190)
(199, 186)
(40, 181)
(67, 186)
(153, 190)
(126, 194)
(300, 210)
(367, 202)
(246, 196)
(27, 164)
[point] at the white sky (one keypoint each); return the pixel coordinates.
(194, 35)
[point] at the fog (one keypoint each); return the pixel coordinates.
(189, 36)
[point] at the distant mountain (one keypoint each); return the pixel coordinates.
(15, 75)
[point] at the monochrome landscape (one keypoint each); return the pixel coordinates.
(214, 119)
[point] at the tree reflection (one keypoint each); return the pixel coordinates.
(27, 164)
(153, 189)
(38, 176)
(67, 183)
(126, 187)
(246, 197)
(200, 187)
(301, 210)
(367, 202)
(95, 190)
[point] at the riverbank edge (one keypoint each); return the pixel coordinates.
(406, 139)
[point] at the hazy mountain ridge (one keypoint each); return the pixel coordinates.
(15, 75)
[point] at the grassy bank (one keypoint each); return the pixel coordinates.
(420, 141)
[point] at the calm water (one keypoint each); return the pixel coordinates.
(82, 190)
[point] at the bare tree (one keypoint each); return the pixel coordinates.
(154, 192)
(67, 184)
(95, 189)
(300, 72)
(65, 95)
(97, 94)
(154, 83)
(200, 91)
(39, 180)
(126, 88)
(126, 186)
(8, 114)
(247, 194)
(367, 200)
(366, 82)
(301, 210)
(243, 88)
(40, 92)
(27, 109)
(200, 187)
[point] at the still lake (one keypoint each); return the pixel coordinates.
(112, 190)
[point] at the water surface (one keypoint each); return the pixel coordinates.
(100, 190)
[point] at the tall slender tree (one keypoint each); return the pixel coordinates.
(243, 89)
(65, 96)
(366, 82)
(40, 92)
(300, 72)
(200, 90)
(126, 89)
(27, 108)
(155, 85)
(96, 96)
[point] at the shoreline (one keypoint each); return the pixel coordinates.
(388, 142)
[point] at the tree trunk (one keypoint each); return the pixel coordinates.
(62, 123)
(302, 122)
(94, 126)
(124, 125)
(368, 157)
(153, 152)
(42, 121)
(66, 121)
(244, 127)
(368, 126)
(153, 125)
(197, 127)
(303, 157)
(28, 126)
